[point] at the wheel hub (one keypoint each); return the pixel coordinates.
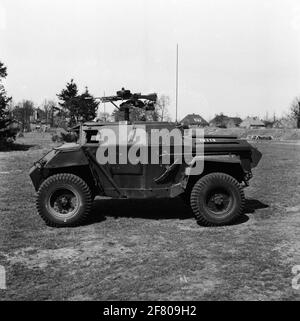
(63, 202)
(218, 201)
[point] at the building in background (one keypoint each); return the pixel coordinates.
(194, 120)
(252, 122)
(223, 121)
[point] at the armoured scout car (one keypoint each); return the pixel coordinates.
(69, 177)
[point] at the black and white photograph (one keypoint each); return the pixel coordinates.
(149, 152)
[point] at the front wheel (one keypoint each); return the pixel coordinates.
(217, 199)
(64, 200)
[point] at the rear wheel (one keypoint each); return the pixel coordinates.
(64, 200)
(217, 199)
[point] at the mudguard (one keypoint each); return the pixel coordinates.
(67, 156)
(230, 159)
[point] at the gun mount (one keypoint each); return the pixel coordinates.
(130, 100)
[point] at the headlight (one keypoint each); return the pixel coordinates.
(41, 163)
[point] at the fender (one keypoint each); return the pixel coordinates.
(231, 159)
(237, 167)
(67, 157)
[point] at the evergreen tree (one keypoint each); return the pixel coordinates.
(88, 105)
(4, 100)
(6, 133)
(77, 107)
(68, 101)
(3, 70)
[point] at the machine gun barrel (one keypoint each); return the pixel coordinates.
(107, 99)
(152, 97)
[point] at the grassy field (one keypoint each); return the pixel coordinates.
(281, 134)
(150, 250)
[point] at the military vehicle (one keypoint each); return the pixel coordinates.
(69, 177)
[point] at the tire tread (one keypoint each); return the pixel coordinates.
(198, 187)
(64, 177)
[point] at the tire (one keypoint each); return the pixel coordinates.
(64, 200)
(217, 199)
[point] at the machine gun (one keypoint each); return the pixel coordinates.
(130, 100)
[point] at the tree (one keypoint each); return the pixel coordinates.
(3, 70)
(77, 107)
(104, 117)
(22, 113)
(87, 106)
(220, 120)
(10, 107)
(49, 107)
(68, 101)
(6, 132)
(4, 99)
(295, 110)
(161, 112)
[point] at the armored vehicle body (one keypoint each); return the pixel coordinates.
(69, 177)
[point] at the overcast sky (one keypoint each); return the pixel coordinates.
(239, 57)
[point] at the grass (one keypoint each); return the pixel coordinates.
(277, 133)
(152, 250)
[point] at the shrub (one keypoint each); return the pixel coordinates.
(8, 132)
(68, 137)
(55, 138)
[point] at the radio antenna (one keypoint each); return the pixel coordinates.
(176, 100)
